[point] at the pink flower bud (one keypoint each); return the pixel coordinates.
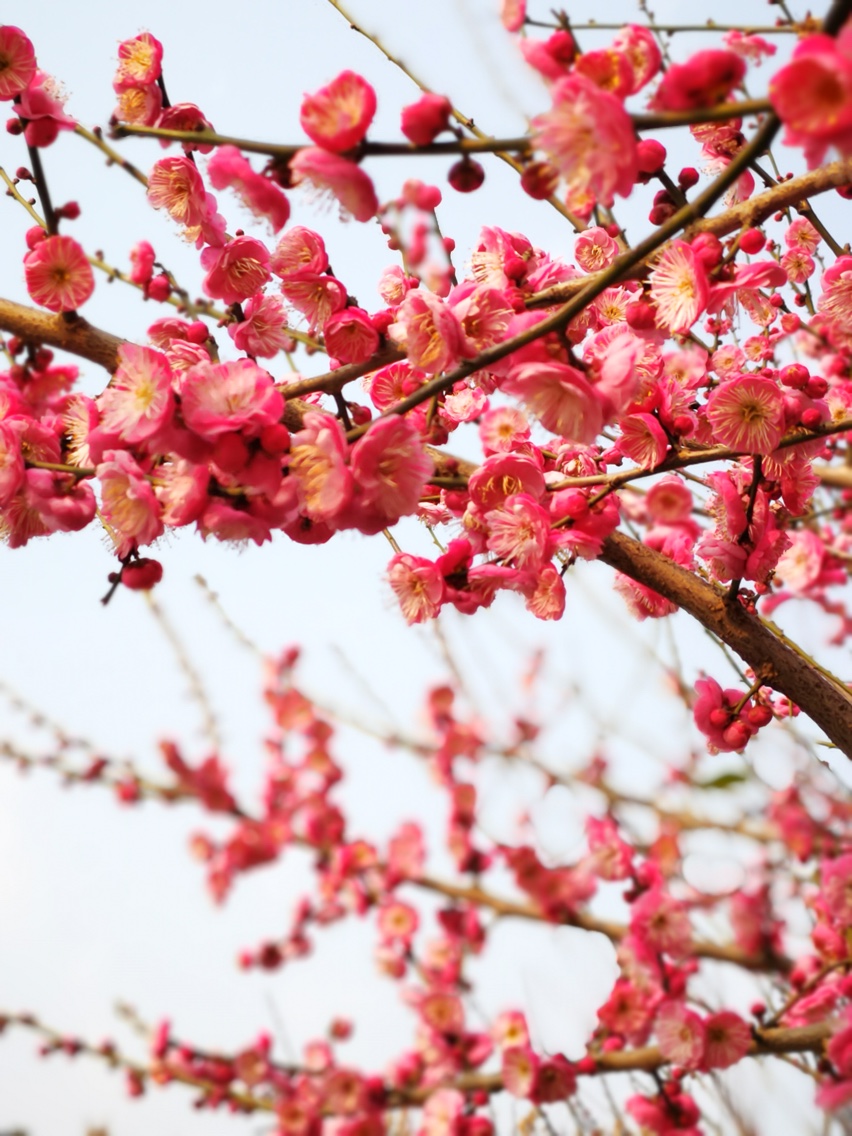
(424, 120)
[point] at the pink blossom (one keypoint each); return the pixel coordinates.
(17, 61)
(836, 889)
(640, 47)
(661, 922)
(418, 586)
(299, 252)
(185, 116)
(680, 1035)
(394, 382)
(801, 564)
(518, 531)
(424, 120)
(551, 57)
(643, 602)
(139, 62)
(502, 475)
(317, 463)
(608, 69)
(316, 297)
(11, 463)
(142, 257)
(589, 137)
(229, 169)
(643, 440)
(139, 400)
(338, 115)
(727, 1040)
(594, 249)
(679, 287)
(42, 106)
(181, 489)
(747, 414)
(391, 468)
(707, 77)
(264, 331)
(236, 271)
(520, 1071)
(428, 331)
(217, 398)
(502, 428)
(63, 502)
(612, 857)
(669, 501)
(174, 184)
(344, 180)
(129, 506)
(235, 526)
(58, 275)
(546, 598)
(350, 336)
(512, 14)
(812, 95)
(560, 397)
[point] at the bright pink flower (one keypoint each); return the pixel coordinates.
(142, 257)
(594, 249)
(520, 1071)
(350, 336)
(546, 598)
(666, 1116)
(747, 413)
(424, 120)
(518, 531)
(139, 62)
(707, 77)
(428, 332)
(338, 115)
(608, 69)
(418, 586)
(58, 275)
(263, 332)
(139, 400)
(560, 397)
(394, 382)
(661, 922)
(680, 1034)
(42, 106)
(316, 297)
(503, 474)
(64, 503)
(727, 1040)
(300, 252)
(318, 465)
(551, 57)
(235, 526)
(329, 174)
(751, 47)
(643, 440)
(391, 468)
(643, 602)
(640, 47)
(140, 106)
(17, 61)
(236, 271)
(679, 287)
(181, 489)
(590, 139)
(812, 95)
(174, 184)
(221, 397)
(129, 506)
(669, 501)
(228, 169)
(185, 116)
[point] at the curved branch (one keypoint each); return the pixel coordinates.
(822, 697)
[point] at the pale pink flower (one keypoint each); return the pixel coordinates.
(560, 397)
(11, 463)
(519, 531)
(660, 921)
(236, 271)
(428, 331)
(442, 1113)
(139, 62)
(800, 234)
(589, 138)
(174, 184)
(229, 169)
(643, 440)
(798, 266)
(338, 115)
(594, 249)
(391, 468)
(129, 507)
(484, 314)
(17, 61)
(222, 397)
(318, 465)
(812, 95)
(640, 47)
(465, 404)
(418, 585)
(139, 400)
(316, 297)
(502, 428)
(350, 336)
(512, 14)
(669, 501)
(185, 116)
(680, 1034)
(643, 602)
(679, 287)
(520, 1071)
(751, 47)
(181, 489)
(42, 106)
(235, 526)
(747, 413)
(546, 599)
(344, 180)
(611, 856)
(727, 1040)
(800, 565)
(58, 275)
(299, 252)
(263, 332)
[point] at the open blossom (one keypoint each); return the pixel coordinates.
(344, 180)
(17, 61)
(58, 275)
(418, 585)
(594, 249)
(42, 106)
(679, 287)
(223, 397)
(263, 332)
(560, 397)
(727, 1040)
(812, 95)
(391, 468)
(236, 271)
(229, 169)
(747, 413)
(350, 336)
(589, 138)
(174, 184)
(316, 297)
(640, 47)
(338, 115)
(428, 330)
(185, 116)
(300, 252)
(129, 506)
(318, 466)
(680, 1034)
(139, 400)
(518, 531)
(139, 62)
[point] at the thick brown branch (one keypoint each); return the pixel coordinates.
(820, 696)
(72, 334)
